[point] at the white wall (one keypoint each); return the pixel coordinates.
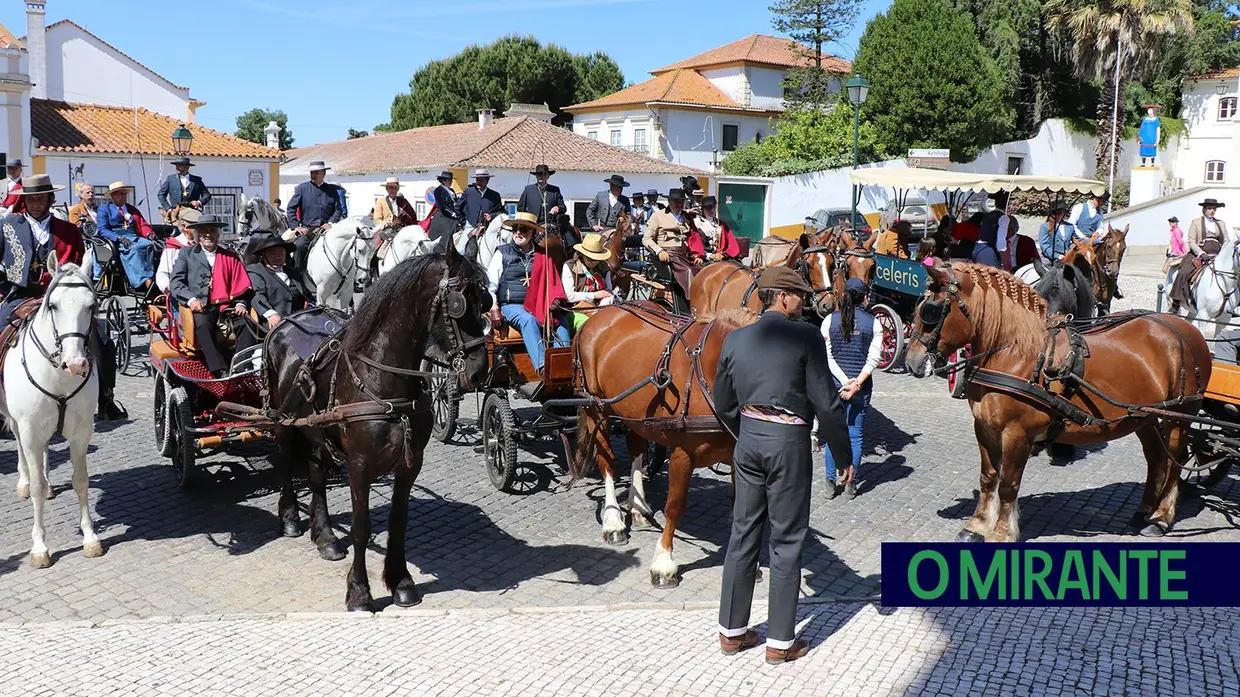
(731, 81)
(691, 136)
(766, 87)
(15, 104)
(1148, 223)
(628, 122)
(795, 197)
(1053, 151)
(1208, 137)
(80, 68)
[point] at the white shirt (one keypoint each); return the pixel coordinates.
(570, 288)
(611, 198)
(392, 206)
(1001, 241)
(1075, 215)
(167, 261)
(184, 183)
(283, 276)
(42, 229)
(871, 360)
(711, 229)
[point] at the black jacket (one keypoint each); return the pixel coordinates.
(781, 363)
(270, 293)
(531, 201)
(171, 195)
(601, 212)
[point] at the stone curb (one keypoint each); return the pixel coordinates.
(405, 613)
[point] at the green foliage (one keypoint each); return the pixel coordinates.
(813, 24)
(933, 83)
(806, 141)
(252, 124)
(354, 133)
(512, 69)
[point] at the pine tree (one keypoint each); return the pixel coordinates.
(813, 24)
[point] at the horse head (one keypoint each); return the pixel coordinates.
(66, 317)
(1114, 246)
(461, 327)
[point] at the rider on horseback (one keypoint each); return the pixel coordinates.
(604, 211)
(182, 190)
(1206, 236)
(315, 205)
(1055, 235)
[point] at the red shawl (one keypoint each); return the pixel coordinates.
(229, 280)
(728, 246)
(545, 285)
(425, 223)
(15, 202)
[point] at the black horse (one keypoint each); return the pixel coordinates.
(1068, 289)
(369, 369)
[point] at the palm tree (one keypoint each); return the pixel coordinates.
(1100, 33)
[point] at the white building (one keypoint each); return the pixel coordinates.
(1210, 146)
(81, 110)
(696, 111)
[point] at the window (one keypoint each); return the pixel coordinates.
(731, 135)
(592, 135)
(1215, 170)
(579, 213)
(1226, 108)
(757, 137)
(1015, 163)
(420, 209)
(639, 139)
(615, 137)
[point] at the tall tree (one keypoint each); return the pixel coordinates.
(512, 69)
(252, 126)
(812, 24)
(1114, 41)
(943, 92)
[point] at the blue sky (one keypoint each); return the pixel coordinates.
(333, 65)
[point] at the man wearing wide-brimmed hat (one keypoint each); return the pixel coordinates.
(124, 224)
(604, 211)
(212, 283)
(314, 206)
(449, 214)
(10, 188)
(1206, 236)
(667, 237)
(586, 278)
(392, 208)
(276, 293)
(182, 189)
(1056, 234)
(480, 201)
(35, 236)
(541, 198)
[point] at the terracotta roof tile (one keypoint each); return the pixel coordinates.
(508, 143)
(761, 49)
(675, 87)
(7, 40)
(1220, 74)
(64, 127)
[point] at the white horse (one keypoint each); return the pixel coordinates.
(49, 364)
(411, 241)
(1215, 291)
(336, 259)
(257, 214)
(489, 241)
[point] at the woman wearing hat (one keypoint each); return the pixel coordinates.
(586, 278)
(1206, 236)
(854, 341)
(1176, 251)
(123, 224)
(277, 294)
(1055, 235)
(714, 241)
(667, 236)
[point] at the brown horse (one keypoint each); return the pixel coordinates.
(620, 348)
(1150, 360)
(1106, 266)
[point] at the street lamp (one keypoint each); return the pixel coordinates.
(858, 89)
(182, 140)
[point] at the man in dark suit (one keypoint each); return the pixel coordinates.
(182, 188)
(605, 209)
(315, 204)
(211, 282)
(277, 294)
(449, 210)
(772, 380)
(480, 201)
(534, 195)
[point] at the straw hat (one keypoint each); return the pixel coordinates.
(118, 186)
(391, 180)
(38, 184)
(523, 220)
(592, 246)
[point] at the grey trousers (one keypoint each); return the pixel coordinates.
(774, 472)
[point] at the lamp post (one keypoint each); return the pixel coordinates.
(182, 140)
(858, 89)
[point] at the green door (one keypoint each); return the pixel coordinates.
(742, 207)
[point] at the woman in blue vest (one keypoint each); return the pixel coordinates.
(854, 342)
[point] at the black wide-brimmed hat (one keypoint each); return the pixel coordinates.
(1173, 219)
(653, 193)
(445, 175)
(616, 180)
(183, 161)
(1211, 203)
(263, 241)
(210, 220)
(542, 169)
(676, 195)
(709, 201)
(15, 163)
(1060, 205)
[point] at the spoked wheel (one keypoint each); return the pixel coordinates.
(1208, 460)
(165, 440)
(445, 401)
(499, 441)
(116, 320)
(184, 453)
(956, 384)
(893, 337)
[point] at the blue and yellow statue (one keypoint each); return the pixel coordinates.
(1148, 136)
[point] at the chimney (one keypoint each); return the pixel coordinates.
(36, 47)
(273, 135)
(486, 117)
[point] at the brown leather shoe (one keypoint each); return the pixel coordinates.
(797, 650)
(730, 646)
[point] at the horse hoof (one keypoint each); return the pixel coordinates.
(41, 561)
(50, 493)
(641, 520)
(331, 551)
(23, 492)
(406, 597)
(616, 538)
(1137, 520)
(662, 582)
(292, 528)
(1153, 530)
(92, 549)
(368, 606)
(970, 536)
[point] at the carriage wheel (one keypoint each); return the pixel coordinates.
(956, 384)
(893, 337)
(445, 402)
(499, 441)
(180, 420)
(116, 319)
(164, 441)
(1209, 466)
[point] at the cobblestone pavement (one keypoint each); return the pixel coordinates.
(215, 550)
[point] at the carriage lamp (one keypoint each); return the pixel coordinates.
(182, 140)
(858, 89)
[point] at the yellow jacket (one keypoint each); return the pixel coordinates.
(889, 245)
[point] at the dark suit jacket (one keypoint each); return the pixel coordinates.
(270, 293)
(171, 195)
(601, 212)
(531, 201)
(781, 363)
(191, 277)
(474, 202)
(448, 203)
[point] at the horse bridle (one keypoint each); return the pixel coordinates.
(451, 301)
(933, 314)
(52, 357)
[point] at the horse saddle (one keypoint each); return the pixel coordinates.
(8, 334)
(309, 329)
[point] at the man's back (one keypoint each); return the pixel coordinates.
(767, 361)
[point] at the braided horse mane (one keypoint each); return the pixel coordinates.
(1007, 310)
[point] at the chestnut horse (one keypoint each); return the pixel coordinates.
(621, 348)
(1106, 266)
(1138, 361)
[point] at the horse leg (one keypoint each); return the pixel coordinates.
(1151, 438)
(357, 597)
(614, 530)
(395, 565)
(639, 509)
(664, 570)
(1015, 453)
(983, 519)
(288, 441)
(36, 466)
(79, 444)
(23, 470)
(1163, 516)
(320, 524)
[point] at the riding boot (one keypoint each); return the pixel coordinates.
(109, 409)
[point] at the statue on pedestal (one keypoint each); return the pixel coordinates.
(1148, 137)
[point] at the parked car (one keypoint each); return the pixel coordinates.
(916, 211)
(843, 216)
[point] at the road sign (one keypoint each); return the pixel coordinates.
(929, 158)
(430, 195)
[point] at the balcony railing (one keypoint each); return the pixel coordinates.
(639, 149)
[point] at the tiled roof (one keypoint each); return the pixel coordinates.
(1220, 74)
(508, 143)
(65, 127)
(761, 49)
(136, 61)
(7, 40)
(677, 87)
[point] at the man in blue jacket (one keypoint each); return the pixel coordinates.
(480, 201)
(182, 189)
(314, 205)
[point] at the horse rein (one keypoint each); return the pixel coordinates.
(62, 401)
(934, 314)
